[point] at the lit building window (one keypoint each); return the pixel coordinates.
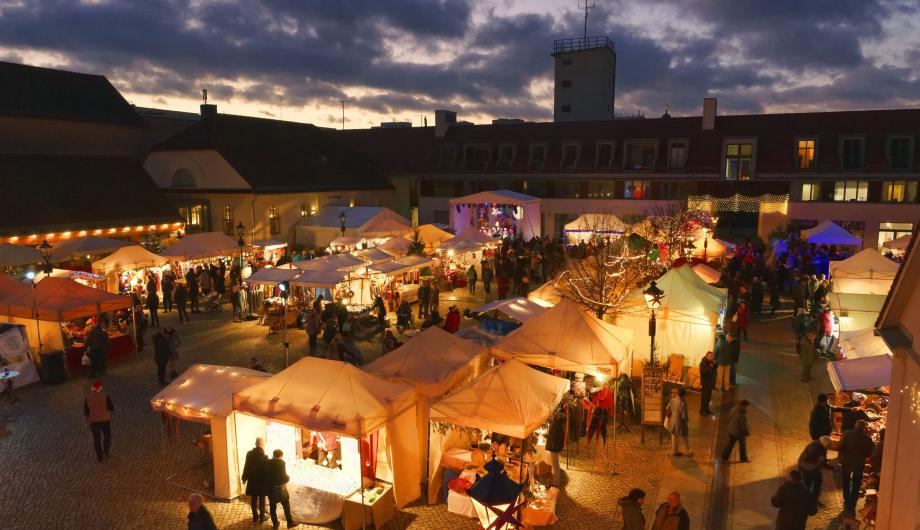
(739, 161)
(227, 218)
(811, 191)
(274, 220)
(805, 152)
(635, 189)
(899, 191)
(851, 190)
(889, 231)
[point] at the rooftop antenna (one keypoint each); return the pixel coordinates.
(204, 95)
(343, 102)
(588, 5)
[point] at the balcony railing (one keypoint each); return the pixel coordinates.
(582, 43)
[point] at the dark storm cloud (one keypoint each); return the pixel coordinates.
(295, 53)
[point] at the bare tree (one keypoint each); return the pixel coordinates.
(673, 225)
(605, 268)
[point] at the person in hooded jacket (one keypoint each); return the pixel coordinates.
(795, 503)
(631, 509)
(555, 442)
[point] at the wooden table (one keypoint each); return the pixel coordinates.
(377, 513)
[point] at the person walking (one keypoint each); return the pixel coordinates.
(153, 302)
(191, 281)
(173, 341)
(97, 408)
(671, 515)
(855, 447)
(471, 278)
(738, 431)
(255, 475)
(97, 349)
(821, 422)
(707, 382)
(631, 510)
(182, 295)
(807, 355)
(555, 443)
(775, 290)
(735, 347)
(795, 503)
(424, 297)
(677, 421)
(381, 309)
(812, 459)
(160, 355)
(435, 298)
(486, 277)
(742, 320)
(277, 480)
(723, 359)
(167, 284)
(313, 325)
(199, 518)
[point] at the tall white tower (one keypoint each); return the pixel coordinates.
(586, 72)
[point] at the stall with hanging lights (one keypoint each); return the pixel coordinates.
(128, 267)
(500, 213)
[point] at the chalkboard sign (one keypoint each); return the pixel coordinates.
(651, 395)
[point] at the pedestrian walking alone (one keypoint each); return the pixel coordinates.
(255, 475)
(160, 355)
(631, 510)
(313, 325)
(199, 518)
(707, 382)
(677, 421)
(181, 301)
(97, 349)
(153, 302)
(277, 480)
(738, 431)
(471, 278)
(795, 503)
(486, 277)
(855, 447)
(97, 408)
(172, 339)
(167, 284)
(671, 515)
(742, 320)
(807, 355)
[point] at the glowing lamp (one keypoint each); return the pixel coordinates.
(495, 498)
(30, 275)
(285, 289)
(653, 296)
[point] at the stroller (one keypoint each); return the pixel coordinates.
(210, 302)
(403, 321)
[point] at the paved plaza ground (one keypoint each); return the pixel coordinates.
(50, 478)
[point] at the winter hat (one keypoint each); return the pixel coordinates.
(97, 385)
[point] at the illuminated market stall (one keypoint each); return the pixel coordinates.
(590, 225)
(707, 273)
(268, 251)
(399, 275)
(507, 405)
(500, 213)
(866, 272)
(330, 222)
(125, 267)
(503, 316)
(431, 237)
(349, 438)
(204, 394)
(79, 248)
(202, 247)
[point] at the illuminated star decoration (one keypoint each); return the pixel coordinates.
(507, 516)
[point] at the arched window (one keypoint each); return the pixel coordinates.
(183, 179)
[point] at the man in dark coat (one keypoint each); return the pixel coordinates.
(255, 475)
(97, 349)
(199, 518)
(723, 358)
(181, 299)
(555, 442)
(738, 431)
(277, 481)
(160, 355)
(811, 461)
(191, 279)
(671, 515)
(795, 503)
(855, 447)
(821, 422)
(707, 382)
(424, 297)
(631, 508)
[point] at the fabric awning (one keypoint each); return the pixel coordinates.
(333, 262)
(707, 273)
(863, 373)
(87, 245)
(133, 257)
(862, 343)
(520, 309)
(830, 233)
(373, 255)
(13, 255)
(319, 279)
(205, 391)
(61, 299)
(899, 243)
(201, 246)
(400, 265)
(272, 276)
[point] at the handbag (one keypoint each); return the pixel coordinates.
(85, 360)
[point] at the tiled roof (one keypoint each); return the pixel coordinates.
(417, 150)
(281, 156)
(57, 193)
(35, 92)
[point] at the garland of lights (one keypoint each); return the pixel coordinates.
(913, 393)
(766, 203)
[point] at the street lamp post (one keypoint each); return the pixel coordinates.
(653, 296)
(45, 248)
(342, 218)
(240, 229)
(285, 289)
(38, 330)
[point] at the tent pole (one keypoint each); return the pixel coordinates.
(615, 390)
(361, 481)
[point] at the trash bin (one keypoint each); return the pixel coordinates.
(53, 371)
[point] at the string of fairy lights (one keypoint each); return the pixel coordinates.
(766, 203)
(913, 400)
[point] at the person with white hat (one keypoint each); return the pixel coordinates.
(97, 408)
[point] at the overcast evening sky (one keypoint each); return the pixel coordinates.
(400, 59)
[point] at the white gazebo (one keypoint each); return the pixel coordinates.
(867, 272)
(588, 225)
(499, 213)
(830, 233)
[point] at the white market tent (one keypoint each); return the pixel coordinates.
(687, 320)
(707, 273)
(431, 236)
(319, 279)
(269, 244)
(347, 241)
(473, 235)
(527, 219)
(400, 265)
(332, 396)
(547, 295)
(87, 245)
(712, 247)
(126, 258)
(204, 394)
(866, 272)
(856, 311)
(830, 233)
(589, 224)
(12, 255)
(861, 373)
(861, 343)
(568, 338)
(332, 262)
(318, 230)
(520, 309)
(202, 246)
(384, 226)
(434, 362)
(272, 276)
(373, 255)
(899, 243)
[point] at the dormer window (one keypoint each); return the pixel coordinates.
(183, 179)
(603, 158)
(506, 154)
(570, 155)
(476, 156)
(537, 156)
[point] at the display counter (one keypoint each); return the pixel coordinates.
(408, 292)
(318, 493)
(120, 345)
(379, 508)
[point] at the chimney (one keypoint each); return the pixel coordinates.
(710, 109)
(209, 118)
(443, 119)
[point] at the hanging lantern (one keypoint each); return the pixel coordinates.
(495, 498)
